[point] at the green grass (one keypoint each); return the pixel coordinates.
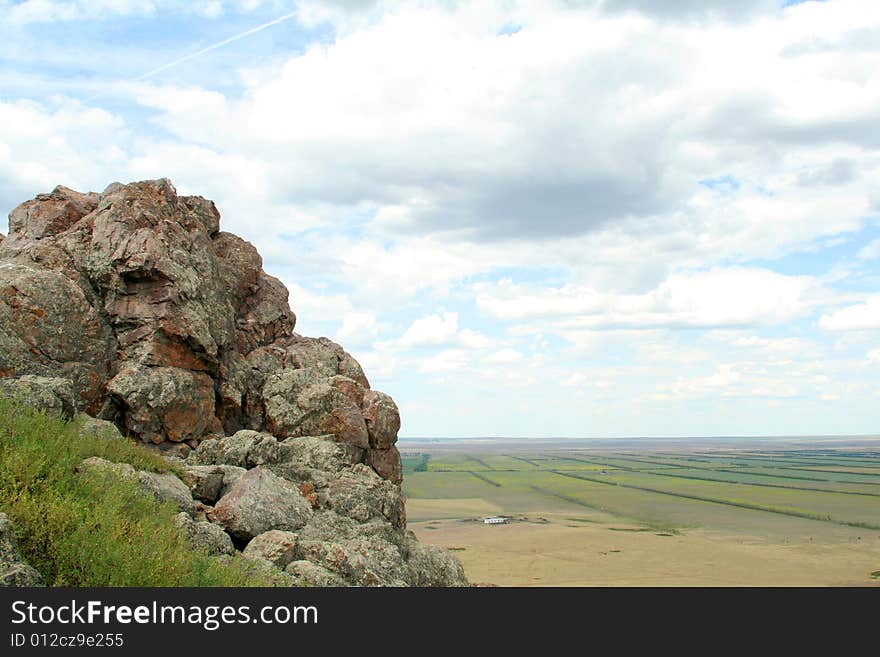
(96, 529)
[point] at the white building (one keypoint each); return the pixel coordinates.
(496, 520)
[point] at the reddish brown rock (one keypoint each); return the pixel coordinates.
(386, 463)
(50, 214)
(382, 417)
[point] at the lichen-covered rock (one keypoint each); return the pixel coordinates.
(49, 394)
(165, 403)
(360, 560)
(205, 536)
(260, 501)
(430, 565)
(320, 453)
(96, 427)
(359, 493)
(164, 487)
(245, 448)
(302, 402)
(276, 546)
(13, 570)
(306, 573)
(50, 214)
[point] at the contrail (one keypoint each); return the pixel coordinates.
(214, 46)
(201, 52)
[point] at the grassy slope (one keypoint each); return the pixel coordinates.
(94, 531)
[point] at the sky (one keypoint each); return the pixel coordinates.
(594, 218)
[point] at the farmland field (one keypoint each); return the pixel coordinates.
(755, 512)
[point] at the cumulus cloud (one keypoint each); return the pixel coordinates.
(435, 330)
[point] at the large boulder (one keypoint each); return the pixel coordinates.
(303, 402)
(165, 403)
(13, 570)
(260, 501)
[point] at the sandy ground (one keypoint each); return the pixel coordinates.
(564, 549)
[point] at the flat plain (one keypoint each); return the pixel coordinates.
(651, 512)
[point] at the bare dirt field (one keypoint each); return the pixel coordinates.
(567, 551)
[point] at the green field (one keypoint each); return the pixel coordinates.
(828, 497)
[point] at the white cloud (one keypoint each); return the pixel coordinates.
(431, 330)
(870, 251)
(358, 328)
(437, 330)
(718, 297)
(861, 316)
(449, 360)
(505, 357)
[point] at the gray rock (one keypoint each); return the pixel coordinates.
(97, 465)
(276, 546)
(260, 501)
(320, 453)
(205, 536)
(359, 493)
(167, 487)
(13, 570)
(303, 402)
(306, 573)
(96, 427)
(231, 474)
(432, 566)
(50, 394)
(360, 561)
(245, 448)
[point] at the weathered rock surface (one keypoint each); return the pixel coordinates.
(13, 570)
(132, 307)
(205, 536)
(260, 501)
(50, 394)
(275, 546)
(95, 427)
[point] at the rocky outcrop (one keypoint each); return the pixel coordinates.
(131, 308)
(13, 570)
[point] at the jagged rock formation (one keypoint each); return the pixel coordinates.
(133, 307)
